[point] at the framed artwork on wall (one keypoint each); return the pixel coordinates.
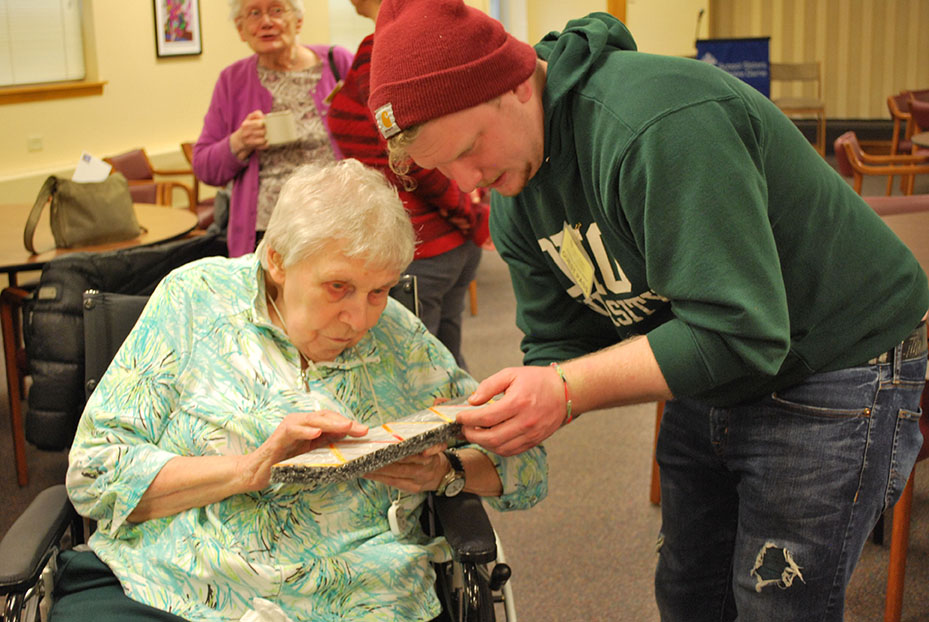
(177, 28)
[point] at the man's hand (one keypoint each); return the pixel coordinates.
(531, 409)
(533, 405)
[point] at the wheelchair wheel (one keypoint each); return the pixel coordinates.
(479, 599)
(467, 597)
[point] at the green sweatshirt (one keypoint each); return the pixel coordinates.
(713, 227)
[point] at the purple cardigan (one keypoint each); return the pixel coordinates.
(237, 93)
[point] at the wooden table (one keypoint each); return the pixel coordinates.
(921, 139)
(159, 224)
(913, 229)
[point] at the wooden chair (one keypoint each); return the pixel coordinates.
(472, 296)
(854, 162)
(654, 491)
(138, 170)
(919, 117)
(14, 357)
(805, 106)
(903, 129)
(205, 207)
(900, 531)
(851, 158)
(918, 94)
(899, 107)
(919, 113)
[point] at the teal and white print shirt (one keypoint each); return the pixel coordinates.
(204, 372)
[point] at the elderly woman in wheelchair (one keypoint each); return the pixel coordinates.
(237, 364)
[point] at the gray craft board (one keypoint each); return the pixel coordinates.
(311, 475)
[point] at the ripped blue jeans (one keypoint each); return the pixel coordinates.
(766, 507)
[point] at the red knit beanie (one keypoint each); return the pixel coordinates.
(435, 57)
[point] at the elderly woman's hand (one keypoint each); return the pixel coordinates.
(195, 481)
(250, 136)
(298, 433)
(418, 473)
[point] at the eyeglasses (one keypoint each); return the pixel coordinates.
(275, 12)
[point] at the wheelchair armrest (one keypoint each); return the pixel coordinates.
(33, 538)
(466, 527)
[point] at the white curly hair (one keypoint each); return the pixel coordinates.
(345, 201)
(235, 8)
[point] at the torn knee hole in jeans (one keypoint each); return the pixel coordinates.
(775, 566)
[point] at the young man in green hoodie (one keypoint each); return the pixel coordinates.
(671, 235)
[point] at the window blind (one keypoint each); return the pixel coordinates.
(40, 41)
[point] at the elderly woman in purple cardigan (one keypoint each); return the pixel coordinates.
(282, 75)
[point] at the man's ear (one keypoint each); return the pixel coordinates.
(524, 89)
(276, 266)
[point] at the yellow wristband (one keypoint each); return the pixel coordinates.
(567, 392)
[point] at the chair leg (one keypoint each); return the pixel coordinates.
(908, 182)
(472, 295)
(8, 299)
(654, 494)
(899, 542)
(20, 354)
(821, 135)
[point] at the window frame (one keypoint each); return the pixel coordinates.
(24, 93)
(89, 86)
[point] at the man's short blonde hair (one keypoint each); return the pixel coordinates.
(398, 158)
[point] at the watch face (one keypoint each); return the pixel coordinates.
(454, 487)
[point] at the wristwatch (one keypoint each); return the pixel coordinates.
(452, 482)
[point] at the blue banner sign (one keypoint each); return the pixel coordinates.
(746, 59)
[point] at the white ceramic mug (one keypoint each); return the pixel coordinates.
(280, 127)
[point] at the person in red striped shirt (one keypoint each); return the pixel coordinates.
(450, 225)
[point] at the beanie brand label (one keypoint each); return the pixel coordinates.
(386, 122)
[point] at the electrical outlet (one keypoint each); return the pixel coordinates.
(34, 143)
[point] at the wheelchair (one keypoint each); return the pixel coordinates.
(471, 586)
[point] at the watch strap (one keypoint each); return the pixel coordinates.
(454, 460)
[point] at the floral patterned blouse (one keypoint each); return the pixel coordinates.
(289, 90)
(205, 372)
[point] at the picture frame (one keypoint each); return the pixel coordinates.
(177, 28)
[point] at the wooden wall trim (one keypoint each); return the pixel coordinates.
(52, 90)
(617, 8)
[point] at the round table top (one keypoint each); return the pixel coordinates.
(913, 229)
(159, 224)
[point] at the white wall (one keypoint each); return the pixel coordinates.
(150, 102)
(157, 103)
(545, 17)
(658, 26)
(346, 27)
(667, 26)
